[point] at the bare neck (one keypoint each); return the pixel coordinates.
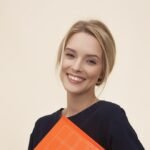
(78, 102)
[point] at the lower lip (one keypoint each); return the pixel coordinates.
(74, 81)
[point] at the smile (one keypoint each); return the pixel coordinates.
(75, 79)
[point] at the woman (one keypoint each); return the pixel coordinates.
(86, 57)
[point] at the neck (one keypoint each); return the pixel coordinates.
(78, 102)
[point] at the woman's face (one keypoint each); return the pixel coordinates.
(81, 64)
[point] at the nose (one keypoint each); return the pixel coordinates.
(77, 65)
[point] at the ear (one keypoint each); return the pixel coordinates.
(99, 81)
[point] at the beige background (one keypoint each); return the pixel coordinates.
(30, 32)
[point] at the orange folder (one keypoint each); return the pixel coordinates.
(65, 135)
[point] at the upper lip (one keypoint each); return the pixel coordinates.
(76, 75)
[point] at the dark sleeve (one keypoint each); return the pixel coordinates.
(123, 136)
(34, 137)
(42, 126)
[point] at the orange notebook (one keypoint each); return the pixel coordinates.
(65, 135)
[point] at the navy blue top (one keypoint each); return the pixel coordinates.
(104, 121)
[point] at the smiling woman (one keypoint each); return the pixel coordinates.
(81, 64)
(86, 58)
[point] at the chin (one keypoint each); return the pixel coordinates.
(73, 90)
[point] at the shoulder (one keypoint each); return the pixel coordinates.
(108, 104)
(106, 113)
(121, 133)
(111, 114)
(114, 112)
(42, 126)
(109, 108)
(48, 119)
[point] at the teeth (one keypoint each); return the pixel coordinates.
(75, 78)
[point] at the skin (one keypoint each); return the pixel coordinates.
(80, 70)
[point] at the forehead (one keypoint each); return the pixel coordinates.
(84, 43)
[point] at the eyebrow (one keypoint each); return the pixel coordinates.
(70, 49)
(88, 55)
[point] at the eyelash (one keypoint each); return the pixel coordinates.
(69, 55)
(91, 62)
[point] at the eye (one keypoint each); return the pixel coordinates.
(91, 62)
(69, 55)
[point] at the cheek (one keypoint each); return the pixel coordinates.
(65, 64)
(94, 74)
(63, 68)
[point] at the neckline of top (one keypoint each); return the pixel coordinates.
(91, 107)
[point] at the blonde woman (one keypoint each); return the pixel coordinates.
(85, 59)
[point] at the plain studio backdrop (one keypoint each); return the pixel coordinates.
(30, 33)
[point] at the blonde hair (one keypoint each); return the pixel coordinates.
(103, 35)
